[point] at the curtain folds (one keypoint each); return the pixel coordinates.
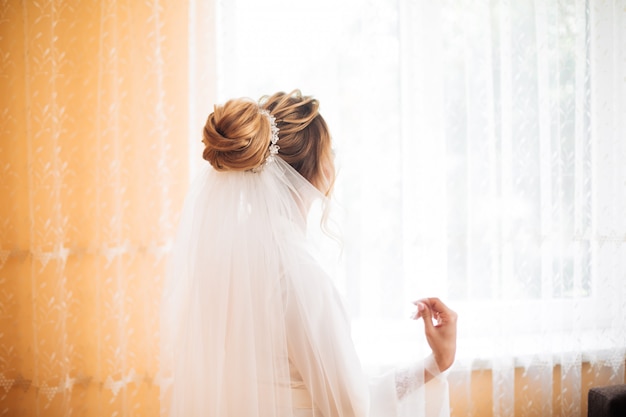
(93, 154)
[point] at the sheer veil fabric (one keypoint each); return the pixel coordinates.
(251, 324)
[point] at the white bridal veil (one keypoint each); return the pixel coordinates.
(251, 325)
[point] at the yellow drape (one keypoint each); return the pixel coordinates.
(93, 169)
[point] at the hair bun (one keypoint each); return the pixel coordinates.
(236, 136)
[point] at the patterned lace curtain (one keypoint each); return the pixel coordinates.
(481, 148)
(93, 170)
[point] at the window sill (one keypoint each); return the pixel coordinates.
(525, 350)
(387, 343)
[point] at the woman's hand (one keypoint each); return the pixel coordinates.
(440, 329)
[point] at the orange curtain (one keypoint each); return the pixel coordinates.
(93, 171)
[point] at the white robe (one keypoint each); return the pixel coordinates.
(252, 326)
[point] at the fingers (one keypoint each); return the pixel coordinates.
(440, 310)
(437, 311)
(437, 305)
(427, 315)
(420, 310)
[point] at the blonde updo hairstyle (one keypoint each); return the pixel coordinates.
(237, 136)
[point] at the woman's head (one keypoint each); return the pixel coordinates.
(237, 136)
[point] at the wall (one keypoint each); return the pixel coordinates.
(475, 399)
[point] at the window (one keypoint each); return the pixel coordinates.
(472, 145)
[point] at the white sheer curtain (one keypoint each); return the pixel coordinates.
(481, 148)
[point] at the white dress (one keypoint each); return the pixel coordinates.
(251, 325)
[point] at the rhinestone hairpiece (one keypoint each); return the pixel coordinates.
(273, 148)
(274, 131)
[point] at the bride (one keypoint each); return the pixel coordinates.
(251, 324)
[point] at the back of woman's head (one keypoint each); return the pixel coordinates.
(237, 136)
